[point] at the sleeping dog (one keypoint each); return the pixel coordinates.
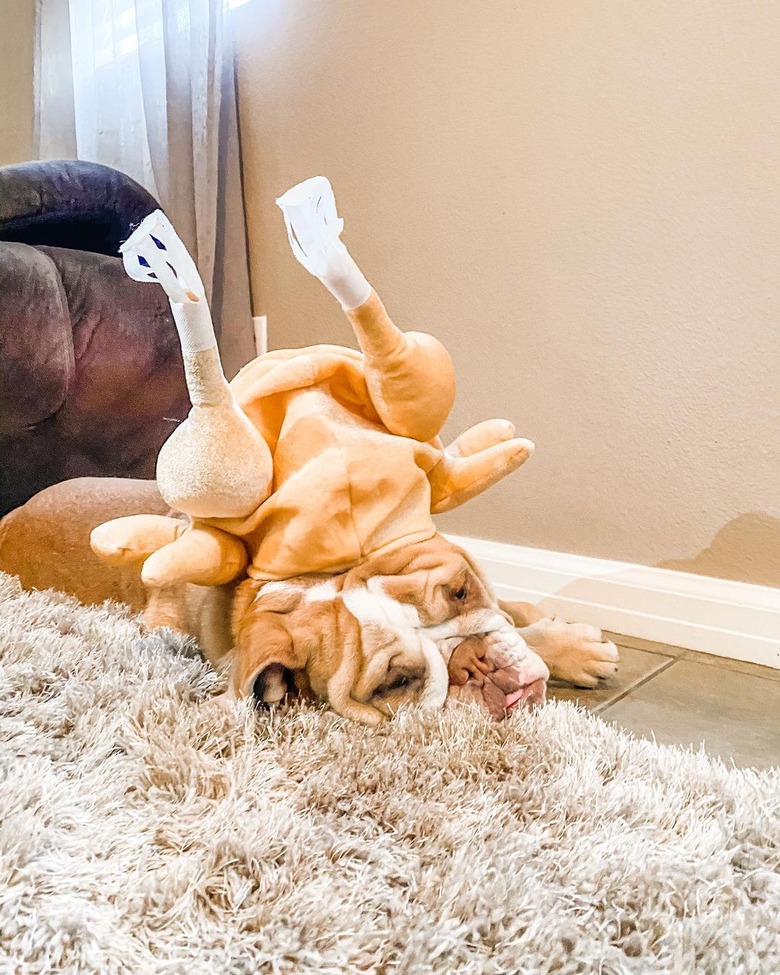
(400, 628)
(383, 634)
(296, 539)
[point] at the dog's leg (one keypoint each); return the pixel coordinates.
(167, 608)
(573, 652)
(46, 541)
(209, 613)
(523, 614)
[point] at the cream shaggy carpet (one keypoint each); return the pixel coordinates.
(144, 831)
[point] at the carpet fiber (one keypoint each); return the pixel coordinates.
(143, 830)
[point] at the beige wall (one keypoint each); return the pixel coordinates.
(16, 80)
(582, 200)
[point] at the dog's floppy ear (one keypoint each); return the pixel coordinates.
(265, 648)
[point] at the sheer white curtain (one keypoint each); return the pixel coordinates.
(147, 86)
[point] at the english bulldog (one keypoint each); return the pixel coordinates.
(381, 635)
(419, 625)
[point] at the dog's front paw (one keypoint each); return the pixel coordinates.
(574, 652)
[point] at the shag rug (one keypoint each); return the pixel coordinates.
(144, 830)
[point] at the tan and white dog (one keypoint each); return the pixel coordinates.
(326, 461)
(374, 637)
(413, 626)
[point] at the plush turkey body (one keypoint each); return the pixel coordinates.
(345, 487)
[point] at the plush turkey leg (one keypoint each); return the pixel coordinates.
(409, 374)
(215, 464)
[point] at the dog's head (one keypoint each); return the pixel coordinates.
(381, 635)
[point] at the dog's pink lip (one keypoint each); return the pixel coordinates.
(513, 699)
(535, 691)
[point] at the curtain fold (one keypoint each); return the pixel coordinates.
(148, 87)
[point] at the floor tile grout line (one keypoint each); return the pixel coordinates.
(692, 657)
(632, 687)
(663, 650)
(648, 646)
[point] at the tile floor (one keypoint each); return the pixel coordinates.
(682, 697)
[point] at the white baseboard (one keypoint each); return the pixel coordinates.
(729, 619)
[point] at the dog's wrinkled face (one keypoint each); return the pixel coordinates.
(380, 636)
(495, 670)
(435, 577)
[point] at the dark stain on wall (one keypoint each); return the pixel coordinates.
(746, 549)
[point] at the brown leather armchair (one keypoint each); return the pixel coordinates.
(91, 377)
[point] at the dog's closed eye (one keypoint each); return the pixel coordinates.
(401, 681)
(397, 680)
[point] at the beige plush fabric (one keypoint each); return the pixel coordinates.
(351, 439)
(144, 830)
(214, 463)
(344, 486)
